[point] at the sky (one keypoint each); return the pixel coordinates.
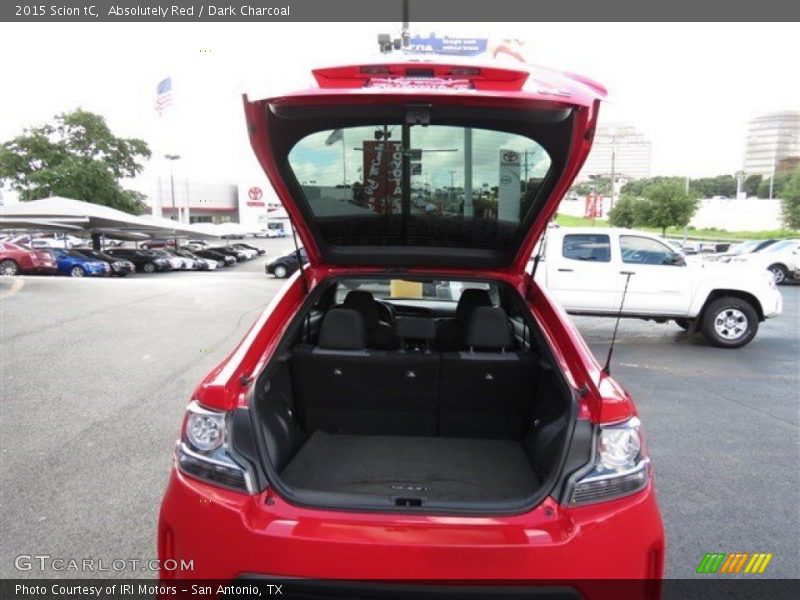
(690, 88)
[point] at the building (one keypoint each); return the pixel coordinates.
(631, 154)
(195, 202)
(771, 138)
(788, 164)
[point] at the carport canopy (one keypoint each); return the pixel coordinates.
(18, 224)
(76, 215)
(172, 229)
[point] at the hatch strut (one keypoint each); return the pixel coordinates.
(607, 368)
(299, 259)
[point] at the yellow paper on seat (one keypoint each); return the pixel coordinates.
(400, 288)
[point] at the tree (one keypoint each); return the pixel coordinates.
(708, 187)
(751, 184)
(790, 201)
(667, 204)
(781, 179)
(624, 213)
(640, 186)
(78, 157)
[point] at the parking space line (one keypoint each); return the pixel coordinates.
(15, 287)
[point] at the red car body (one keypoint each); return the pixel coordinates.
(231, 534)
(16, 258)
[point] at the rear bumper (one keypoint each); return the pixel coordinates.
(230, 535)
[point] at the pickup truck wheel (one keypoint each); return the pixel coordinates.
(684, 324)
(729, 322)
(780, 273)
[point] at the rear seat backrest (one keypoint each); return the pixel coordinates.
(342, 387)
(487, 391)
(342, 329)
(451, 333)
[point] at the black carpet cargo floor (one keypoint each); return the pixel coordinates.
(430, 468)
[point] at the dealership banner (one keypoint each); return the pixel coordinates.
(383, 174)
(508, 188)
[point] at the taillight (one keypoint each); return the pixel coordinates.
(205, 450)
(619, 468)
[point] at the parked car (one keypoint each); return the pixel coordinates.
(158, 243)
(489, 444)
(44, 242)
(243, 246)
(201, 264)
(781, 259)
(223, 260)
(18, 259)
(197, 243)
(239, 255)
(144, 261)
(285, 265)
(178, 263)
(740, 249)
(75, 264)
(585, 269)
(119, 266)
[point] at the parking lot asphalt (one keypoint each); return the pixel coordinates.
(95, 375)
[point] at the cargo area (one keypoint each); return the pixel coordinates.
(456, 408)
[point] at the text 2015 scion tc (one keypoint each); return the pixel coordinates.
(412, 405)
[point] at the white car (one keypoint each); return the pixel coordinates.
(65, 242)
(781, 259)
(586, 269)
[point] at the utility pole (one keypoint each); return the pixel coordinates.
(172, 158)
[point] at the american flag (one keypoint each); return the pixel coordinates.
(163, 95)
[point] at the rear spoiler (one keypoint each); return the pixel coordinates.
(446, 75)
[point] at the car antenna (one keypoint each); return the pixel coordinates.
(607, 367)
(299, 258)
(538, 257)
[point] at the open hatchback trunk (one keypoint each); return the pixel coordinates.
(414, 392)
(430, 386)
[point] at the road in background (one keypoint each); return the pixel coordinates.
(96, 374)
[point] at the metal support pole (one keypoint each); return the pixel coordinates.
(171, 158)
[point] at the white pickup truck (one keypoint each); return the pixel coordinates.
(585, 269)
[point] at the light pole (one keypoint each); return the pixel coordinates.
(172, 158)
(613, 168)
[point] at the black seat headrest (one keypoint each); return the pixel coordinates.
(471, 298)
(342, 329)
(365, 304)
(488, 329)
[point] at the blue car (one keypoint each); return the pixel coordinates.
(74, 264)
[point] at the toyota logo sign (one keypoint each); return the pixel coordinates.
(255, 193)
(510, 156)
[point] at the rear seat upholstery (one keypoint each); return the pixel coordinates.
(488, 390)
(341, 386)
